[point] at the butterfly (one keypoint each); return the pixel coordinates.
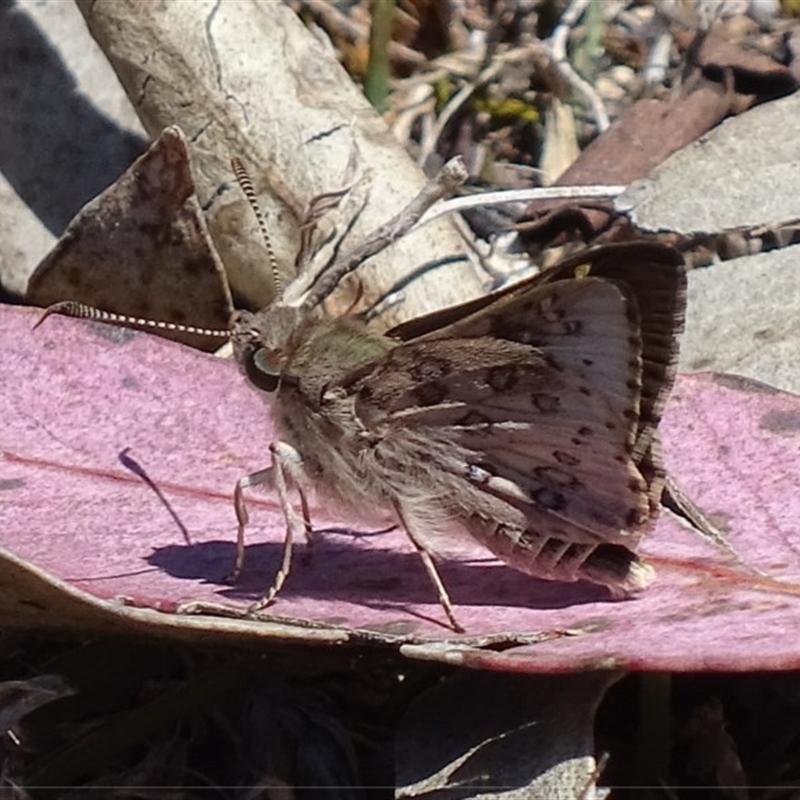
(526, 419)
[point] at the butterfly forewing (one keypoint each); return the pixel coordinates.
(655, 277)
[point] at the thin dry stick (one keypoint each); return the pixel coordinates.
(458, 100)
(655, 72)
(486, 76)
(558, 50)
(505, 196)
(334, 20)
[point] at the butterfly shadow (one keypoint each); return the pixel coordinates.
(374, 577)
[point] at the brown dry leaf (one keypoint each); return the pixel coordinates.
(141, 248)
(754, 75)
(645, 135)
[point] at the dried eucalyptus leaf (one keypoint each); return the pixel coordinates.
(743, 318)
(141, 248)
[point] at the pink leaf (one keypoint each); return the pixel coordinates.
(89, 410)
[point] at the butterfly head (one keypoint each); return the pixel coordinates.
(263, 342)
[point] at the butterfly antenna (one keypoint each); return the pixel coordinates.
(243, 179)
(69, 308)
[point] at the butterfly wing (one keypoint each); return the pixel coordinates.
(530, 405)
(653, 277)
(651, 273)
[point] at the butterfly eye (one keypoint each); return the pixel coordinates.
(263, 371)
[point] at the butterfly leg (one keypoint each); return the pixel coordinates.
(286, 466)
(264, 477)
(260, 478)
(430, 568)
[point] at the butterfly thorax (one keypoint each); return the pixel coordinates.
(328, 350)
(319, 419)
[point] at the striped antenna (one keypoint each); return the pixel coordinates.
(69, 308)
(243, 179)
